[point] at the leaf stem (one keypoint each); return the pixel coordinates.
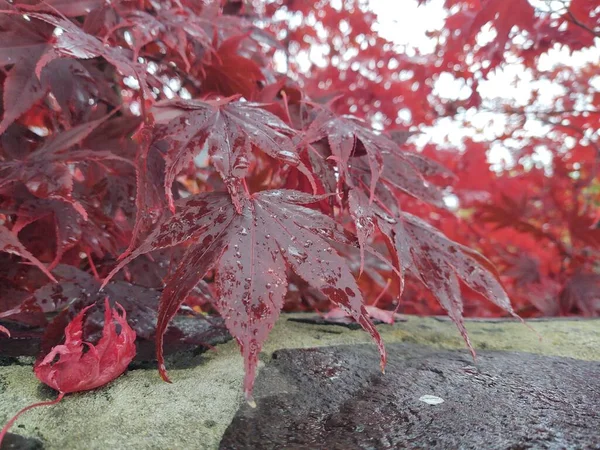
(11, 422)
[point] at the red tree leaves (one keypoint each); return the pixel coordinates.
(226, 72)
(426, 254)
(251, 253)
(9, 243)
(45, 170)
(504, 14)
(175, 86)
(230, 131)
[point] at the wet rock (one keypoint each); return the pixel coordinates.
(186, 338)
(343, 322)
(15, 442)
(336, 398)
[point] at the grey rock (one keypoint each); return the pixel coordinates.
(336, 398)
(15, 442)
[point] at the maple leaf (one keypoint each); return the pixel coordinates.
(402, 171)
(73, 42)
(229, 130)
(9, 243)
(76, 371)
(437, 262)
(75, 85)
(407, 172)
(22, 46)
(150, 182)
(582, 291)
(65, 7)
(344, 134)
(45, 171)
(502, 14)
(68, 223)
(362, 154)
(581, 228)
(251, 253)
(180, 30)
(228, 73)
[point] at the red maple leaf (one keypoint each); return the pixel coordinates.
(230, 130)
(75, 370)
(251, 253)
(9, 243)
(45, 171)
(226, 72)
(437, 262)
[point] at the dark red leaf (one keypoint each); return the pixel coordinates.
(22, 90)
(228, 73)
(9, 243)
(45, 171)
(344, 134)
(67, 7)
(436, 261)
(251, 253)
(229, 131)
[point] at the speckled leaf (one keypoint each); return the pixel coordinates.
(424, 252)
(440, 263)
(407, 172)
(349, 137)
(251, 252)
(229, 130)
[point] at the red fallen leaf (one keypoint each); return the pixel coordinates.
(77, 371)
(105, 361)
(375, 313)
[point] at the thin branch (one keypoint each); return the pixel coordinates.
(575, 21)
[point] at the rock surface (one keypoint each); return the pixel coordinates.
(16, 442)
(336, 398)
(139, 411)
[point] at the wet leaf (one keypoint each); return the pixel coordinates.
(251, 253)
(229, 131)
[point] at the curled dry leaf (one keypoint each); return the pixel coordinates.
(78, 371)
(75, 370)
